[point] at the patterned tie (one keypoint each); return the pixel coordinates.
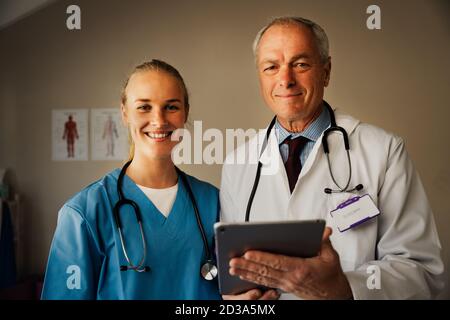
(293, 164)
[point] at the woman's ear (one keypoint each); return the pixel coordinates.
(123, 111)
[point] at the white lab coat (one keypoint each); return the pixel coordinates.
(402, 240)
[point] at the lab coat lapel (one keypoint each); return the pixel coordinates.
(335, 141)
(273, 166)
(345, 121)
(273, 193)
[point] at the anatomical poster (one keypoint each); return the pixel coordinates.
(70, 135)
(109, 139)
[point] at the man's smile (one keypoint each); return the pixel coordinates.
(289, 95)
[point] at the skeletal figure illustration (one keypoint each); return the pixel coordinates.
(110, 133)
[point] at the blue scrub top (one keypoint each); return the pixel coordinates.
(86, 253)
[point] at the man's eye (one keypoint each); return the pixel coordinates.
(172, 107)
(269, 68)
(302, 65)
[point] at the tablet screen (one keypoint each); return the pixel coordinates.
(292, 238)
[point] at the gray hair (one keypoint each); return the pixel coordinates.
(319, 33)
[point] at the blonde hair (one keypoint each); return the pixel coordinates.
(154, 65)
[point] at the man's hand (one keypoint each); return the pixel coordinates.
(254, 294)
(319, 277)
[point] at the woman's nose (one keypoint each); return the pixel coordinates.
(158, 119)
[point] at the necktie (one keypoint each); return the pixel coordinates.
(293, 164)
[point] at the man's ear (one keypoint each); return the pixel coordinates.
(186, 113)
(327, 68)
(123, 112)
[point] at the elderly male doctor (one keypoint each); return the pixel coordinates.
(401, 242)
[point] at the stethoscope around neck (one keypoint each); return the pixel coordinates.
(333, 128)
(208, 269)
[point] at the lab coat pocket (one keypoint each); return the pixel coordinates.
(355, 246)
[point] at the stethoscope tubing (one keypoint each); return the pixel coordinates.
(333, 127)
(124, 201)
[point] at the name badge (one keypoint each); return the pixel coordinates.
(354, 211)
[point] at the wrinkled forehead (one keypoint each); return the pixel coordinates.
(285, 40)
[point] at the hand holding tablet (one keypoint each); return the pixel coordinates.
(291, 238)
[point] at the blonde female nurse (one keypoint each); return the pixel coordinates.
(144, 231)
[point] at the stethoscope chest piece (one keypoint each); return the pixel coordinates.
(209, 270)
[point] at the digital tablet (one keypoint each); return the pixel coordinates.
(291, 238)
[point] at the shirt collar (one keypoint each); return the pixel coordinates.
(312, 132)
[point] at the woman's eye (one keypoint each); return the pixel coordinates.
(144, 107)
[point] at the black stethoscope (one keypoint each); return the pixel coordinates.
(333, 127)
(208, 269)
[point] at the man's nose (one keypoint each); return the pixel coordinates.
(158, 118)
(287, 78)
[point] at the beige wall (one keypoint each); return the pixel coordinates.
(397, 78)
